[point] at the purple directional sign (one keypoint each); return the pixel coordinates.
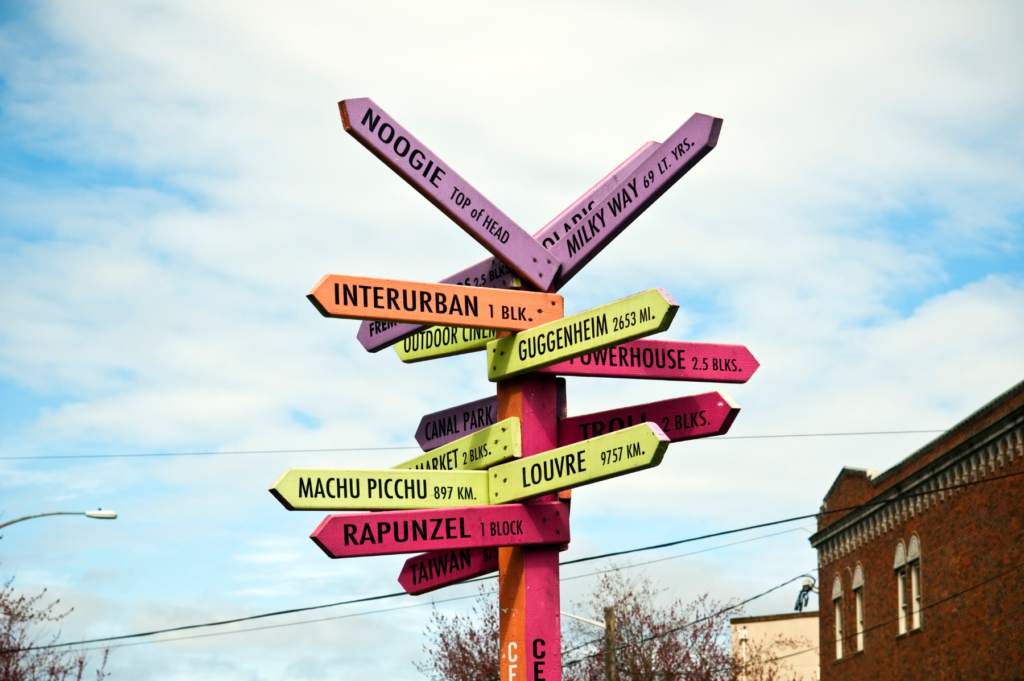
(434, 179)
(441, 427)
(632, 196)
(375, 336)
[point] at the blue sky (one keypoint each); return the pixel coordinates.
(174, 177)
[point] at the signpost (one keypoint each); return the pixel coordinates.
(431, 571)
(477, 451)
(493, 273)
(634, 317)
(681, 418)
(584, 463)
(663, 360)
(642, 187)
(446, 189)
(315, 489)
(337, 295)
(460, 500)
(441, 427)
(378, 534)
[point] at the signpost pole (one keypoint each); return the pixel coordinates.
(528, 590)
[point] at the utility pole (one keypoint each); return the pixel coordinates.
(610, 673)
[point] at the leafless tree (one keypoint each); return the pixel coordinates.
(23, 624)
(464, 647)
(655, 640)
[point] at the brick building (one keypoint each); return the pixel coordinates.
(924, 577)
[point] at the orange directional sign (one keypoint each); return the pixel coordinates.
(338, 295)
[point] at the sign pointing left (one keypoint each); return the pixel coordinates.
(338, 295)
(438, 183)
(314, 489)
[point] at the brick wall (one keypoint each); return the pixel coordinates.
(967, 537)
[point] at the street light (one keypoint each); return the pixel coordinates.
(98, 513)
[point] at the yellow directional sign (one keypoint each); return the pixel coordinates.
(442, 341)
(477, 451)
(314, 489)
(624, 320)
(583, 463)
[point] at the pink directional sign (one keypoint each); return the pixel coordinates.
(492, 273)
(682, 418)
(663, 360)
(446, 189)
(436, 569)
(375, 534)
(642, 187)
(441, 427)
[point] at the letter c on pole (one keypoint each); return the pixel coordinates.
(540, 655)
(512, 657)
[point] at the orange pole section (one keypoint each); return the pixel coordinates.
(528, 578)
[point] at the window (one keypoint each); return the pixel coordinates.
(858, 592)
(837, 598)
(900, 565)
(914, 561)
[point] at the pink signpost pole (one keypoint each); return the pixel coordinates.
(528, 590)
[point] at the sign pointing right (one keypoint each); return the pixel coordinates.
(634, 317)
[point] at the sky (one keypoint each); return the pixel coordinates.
(174, 177)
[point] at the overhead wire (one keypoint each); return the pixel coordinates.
(909, 495)
(382, 449)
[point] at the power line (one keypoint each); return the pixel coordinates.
(910, 495)
(663, 634)
(382, 449)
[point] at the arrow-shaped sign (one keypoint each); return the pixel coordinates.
(681, 418)
(492, 273)
(337, 295)
(441, 427)
(441, 341)
(584, 463)
(663, 360)
(446, 189)
(436, 569)
(476, 451)
(313, 489)
(680, 152)
(634, 317)
(376, 534)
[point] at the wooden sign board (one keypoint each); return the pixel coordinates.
(663, 360)
(441, 427)
(436, 569)
(492, 273)
(435, 342)
(314, 489)
(681, 418)
(337, 295)
(451, 529)
(480, 450)
(642, 187)
(634, 317)
(446, 189)
(584, 463)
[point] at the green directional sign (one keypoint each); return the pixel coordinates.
(583, 463)
(624, 320)
(477, 451)
(435, 342)
(315, 489)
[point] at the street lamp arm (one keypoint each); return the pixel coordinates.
(98, 513)
(577, 617)
(40, 515)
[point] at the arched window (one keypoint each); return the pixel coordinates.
(837, 599)
(900, 565)
(858, 594)
(914, 567)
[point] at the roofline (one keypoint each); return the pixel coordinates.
(774, 618)
(962, 425)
